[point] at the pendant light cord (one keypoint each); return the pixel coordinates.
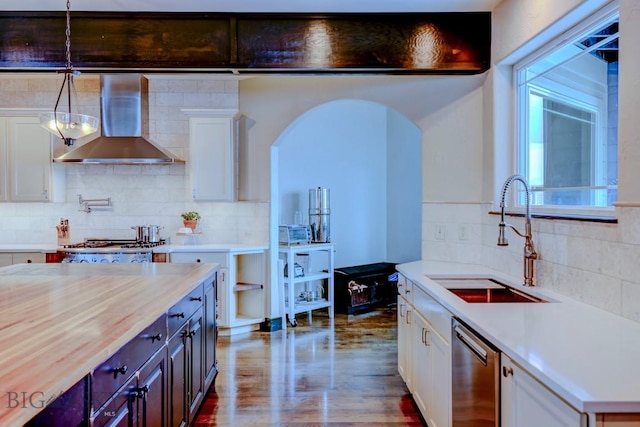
(68, 34)
(68, 76)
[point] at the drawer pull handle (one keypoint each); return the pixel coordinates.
(121, 370)
(142, 391)
(196, 298)
(156, 337)
(179, 315)
(507, 371)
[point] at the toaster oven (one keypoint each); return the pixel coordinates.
(294, 234)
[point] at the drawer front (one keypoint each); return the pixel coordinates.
(5, 259)
(28, 258)
(113, 373)
(408, 290)
(211, 257)
(438, 316)
(179, 313)
(119, 410)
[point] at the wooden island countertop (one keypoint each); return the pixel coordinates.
(59, 321)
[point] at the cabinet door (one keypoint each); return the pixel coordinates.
(177, 378)
(422, 363)
(528, 403)
(195, 381)
(152, 392)
(212, 158)
(404, 341)
(439, 393)
(211, 333)
(30, 154)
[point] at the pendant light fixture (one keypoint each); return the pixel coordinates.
(69, 126)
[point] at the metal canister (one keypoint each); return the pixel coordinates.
(319, 213)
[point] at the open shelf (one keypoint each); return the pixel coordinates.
(241, 287)
(316, 262)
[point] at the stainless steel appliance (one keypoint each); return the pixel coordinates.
(293, 234)
(94, 250)
(475, 382)
(319, 213)
(147, 233)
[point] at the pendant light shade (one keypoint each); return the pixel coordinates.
(68, 125)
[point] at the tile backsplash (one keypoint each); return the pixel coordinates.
(140, 194)
(596, 263)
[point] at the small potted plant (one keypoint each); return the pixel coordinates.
(190, 219)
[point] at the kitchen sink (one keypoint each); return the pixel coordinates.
(485, 290)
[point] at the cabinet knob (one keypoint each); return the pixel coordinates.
(142, 391)
(120, 370)
(156, 337)
(29, 261)
(198, 260)
(507, 371)
(191, 334)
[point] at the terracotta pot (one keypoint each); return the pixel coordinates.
(190, 223)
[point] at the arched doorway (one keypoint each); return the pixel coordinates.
(369, 156)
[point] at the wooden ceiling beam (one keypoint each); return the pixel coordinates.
(398, 43)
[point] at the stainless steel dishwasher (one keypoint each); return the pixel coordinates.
(475, 383)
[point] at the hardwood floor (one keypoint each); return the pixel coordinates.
(320, 373)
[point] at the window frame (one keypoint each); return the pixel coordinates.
(580, 95)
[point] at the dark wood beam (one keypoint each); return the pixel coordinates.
(411, 43)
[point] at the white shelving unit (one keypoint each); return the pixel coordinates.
(314, 289)
(241, 283)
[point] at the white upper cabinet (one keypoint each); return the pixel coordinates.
(25, 160)
(212, 158)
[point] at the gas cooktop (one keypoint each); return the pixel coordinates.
(108, 251)
(113, 244)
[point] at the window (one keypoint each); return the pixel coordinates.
(567, 120)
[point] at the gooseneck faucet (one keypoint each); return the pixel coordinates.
(530, 253)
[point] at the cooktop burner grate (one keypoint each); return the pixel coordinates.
(104, 243)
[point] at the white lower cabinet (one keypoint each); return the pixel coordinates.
(424, 354)
(439, 401)
(404, 341)
(21, 258)
(526, 402)
(241, 293)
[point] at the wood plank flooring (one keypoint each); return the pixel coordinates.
(320, 373)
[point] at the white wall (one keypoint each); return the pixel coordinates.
(589, 261)
(341, 146)
(369, 158)
(149, 194)
(404, 189)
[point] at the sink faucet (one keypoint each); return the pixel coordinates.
(530, 253)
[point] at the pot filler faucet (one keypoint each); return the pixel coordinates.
(530, 253)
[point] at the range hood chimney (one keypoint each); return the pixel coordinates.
(124, 114)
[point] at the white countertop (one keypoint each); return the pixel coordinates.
(586, 355)
(29, 248)
(207, 247)
(211, 247)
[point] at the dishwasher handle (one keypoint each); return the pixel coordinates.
(471, 342)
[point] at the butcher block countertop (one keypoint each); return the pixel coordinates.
(59, 321)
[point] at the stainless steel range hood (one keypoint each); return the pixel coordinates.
(124, 120)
